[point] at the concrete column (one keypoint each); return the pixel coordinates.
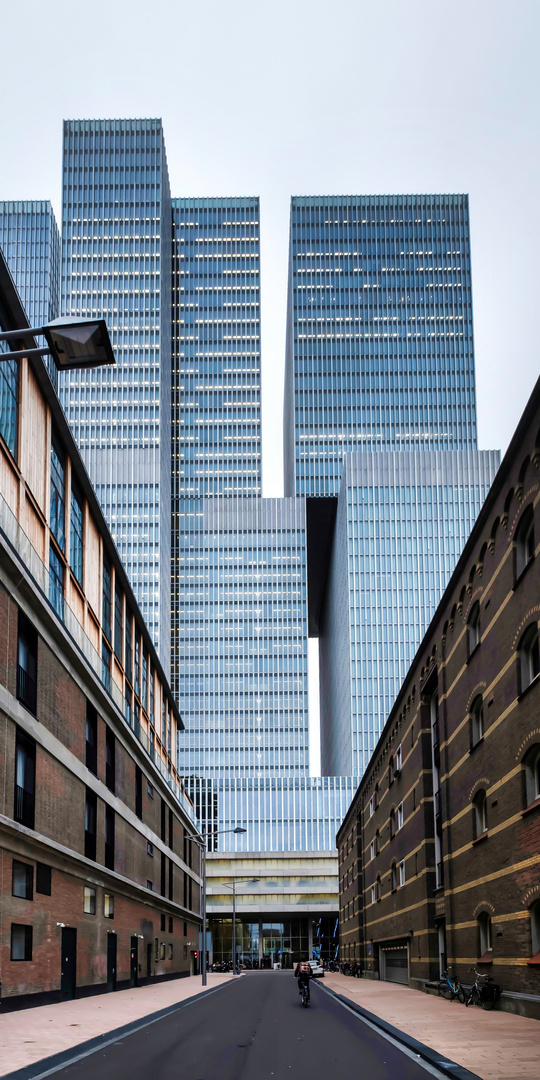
(310, 936)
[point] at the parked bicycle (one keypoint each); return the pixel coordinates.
(483, 993)
(450, 988)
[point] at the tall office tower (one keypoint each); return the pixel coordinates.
(116, 254)
(380, 351)
(216, 400)
(402, 522)
(379, 409)
(30, 241)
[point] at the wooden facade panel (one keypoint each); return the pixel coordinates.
(92, 564)
(9, 483)
(34, 442)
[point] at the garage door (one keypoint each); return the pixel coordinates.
(396, 965)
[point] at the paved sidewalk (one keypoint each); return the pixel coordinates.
(28, 1035)
(495, 1045)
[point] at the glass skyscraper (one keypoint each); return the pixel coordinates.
(30, 241)
(380, 351)
(380, 419)
(402, 522)
(116, 263)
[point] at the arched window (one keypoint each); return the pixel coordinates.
(378, 887)
(479, 814)
(377, 842)
(484, 935)
(477, 720)
(376, 796)
(524, 542)
(531, 764)
(392, 823)
(535, 927)
(473, 627)
(394, 877)
(391, 770)
(529, 657)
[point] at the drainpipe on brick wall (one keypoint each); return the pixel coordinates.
(448, 832)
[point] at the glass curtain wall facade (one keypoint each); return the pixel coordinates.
(116, 252)
(402, 522)
(30, 241)
(216, 395)
(379, 347)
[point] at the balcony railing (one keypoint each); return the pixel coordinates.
(26, 689)
(24, 807)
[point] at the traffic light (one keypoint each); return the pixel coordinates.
(195, 954)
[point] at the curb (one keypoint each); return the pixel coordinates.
(46, 1066)
(438, 1060)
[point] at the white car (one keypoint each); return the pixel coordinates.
(317, 969)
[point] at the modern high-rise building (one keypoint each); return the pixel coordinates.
(30, 241)
(402, 521)
(380, 351)
(116, 263)
(380, 430)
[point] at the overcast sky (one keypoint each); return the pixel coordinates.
(307, 98)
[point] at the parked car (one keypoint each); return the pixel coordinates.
(317, 969)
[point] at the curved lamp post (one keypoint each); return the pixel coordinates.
(201, 839)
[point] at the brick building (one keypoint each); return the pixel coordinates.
(99, 883)
(439, 853)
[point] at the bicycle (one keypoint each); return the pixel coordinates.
(449, 989)
(484, 994)
(305, 994)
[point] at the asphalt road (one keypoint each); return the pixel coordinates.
(252, 1029)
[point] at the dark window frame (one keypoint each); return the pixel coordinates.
(26, 870)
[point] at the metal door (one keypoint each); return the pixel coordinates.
(134, 962)
(68, 982)
(111, 961)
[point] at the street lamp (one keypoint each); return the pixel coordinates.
(201, 840)
(72, 342)
(235, 882)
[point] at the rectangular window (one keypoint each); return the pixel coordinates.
(150, 790)
(118, 624)
(137, 666)
(373, 894)
(89, 900)
(149, 848)
(106, 665)
(110, 760)
(8, 400)
(170, 951)
(162, 919)
(76, 532)
(90, 824)
(398, 759)
(128, 659)
(171, 880)
(372, 850)
(58, 493)
(151, 684)
(399, 816)
(56, 582)
(144, 688)
(401, 874)
(43, 879)
(108, 905)
(163, 820)
(149, 885)
(156, 949)
(171, 829)
(21, 942)
(25, 780)
(163, 873)
(91, 738)
(106, 599)
(27, 646)
(109, 838)
(371, 806)
(22, 883)
(162, 951)
(138, 792)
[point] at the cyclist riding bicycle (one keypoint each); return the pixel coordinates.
(303, 973)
